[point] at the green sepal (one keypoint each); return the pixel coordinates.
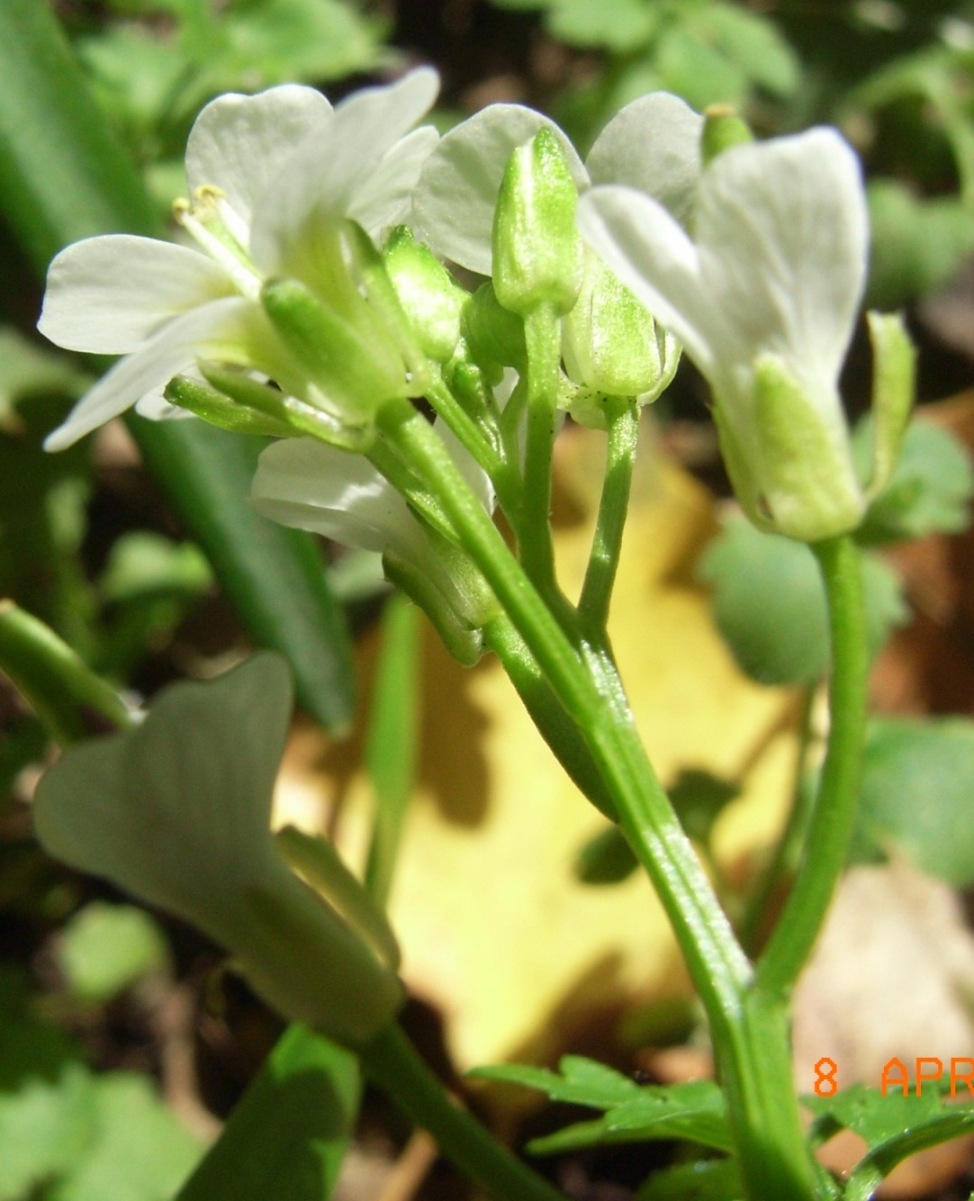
(790, 464)
(351, 374)
(321, 867)
(612, 346)
(464, 643)
(226, 411)
(536, 243)
(894, 389)
(432, 301)
(493, 333)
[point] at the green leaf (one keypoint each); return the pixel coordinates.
(893, 1125)
(46, 1098)
(695, 1110)
(754, 45)
(620, 26)
(140, 1151)
(705, 1180)
(289, 1134)
(62, 177)
(106, 948)
(916, 795)
(277, 41)
(606, 858)
(930, 490)
(769, 603)
(581, 1082)
(700, 72)
(917, 243)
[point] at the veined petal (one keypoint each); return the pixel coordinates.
(311, 486)
(454, 202)
(649, 251)
(653, 145)
(386, 197)
(782, 235)
(240, 143)
(109, 295)
(323, 175)
(178, 810)
(210, 331)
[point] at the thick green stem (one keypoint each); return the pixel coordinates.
(833, 819)
(593, 607)
(393, 1064)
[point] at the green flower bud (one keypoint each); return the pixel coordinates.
(431, 300)
(493, 334)
(352, 369)
(722, 130)
(611, 344)
(536, 243)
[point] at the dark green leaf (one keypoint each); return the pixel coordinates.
(770, 605)
(606, 858)
(705, 1180)
(288, 1136)
(916, 795)
(931, 488)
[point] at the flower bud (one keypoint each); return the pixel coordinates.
(430, 299)
(612, 346)
(536, 244)
(722, 130)
(351, 369)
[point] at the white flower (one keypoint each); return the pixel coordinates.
(268, 175)
(177, 811)
(307, 484)
(764, 297)
(653, 144)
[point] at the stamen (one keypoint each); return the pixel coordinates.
(232, 258)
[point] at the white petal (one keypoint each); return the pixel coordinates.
(385, 198)
(178, 810)
(306, 484)
(653, 145)
(215, 330)
(782, 235)
(108, 295)
(650, 252)
(454, 203)
(322, 176)
(239, 143)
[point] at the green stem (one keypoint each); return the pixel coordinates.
(542, 335)
(393, 1064)
(833, 819)
(754, 921)
(69, 698)
(593, 607)
(587, 685)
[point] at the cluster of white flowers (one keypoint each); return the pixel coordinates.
(289, 295)
(755, 263)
